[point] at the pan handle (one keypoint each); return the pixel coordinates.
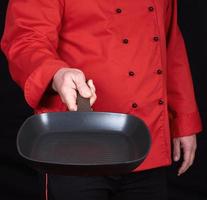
(83, 104)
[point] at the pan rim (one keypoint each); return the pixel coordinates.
(148, 136)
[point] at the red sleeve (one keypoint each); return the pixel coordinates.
(30, 43)
(185, 118)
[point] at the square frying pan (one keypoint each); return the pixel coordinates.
(84, 143)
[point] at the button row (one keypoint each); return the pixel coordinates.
(126, 41)
(119, 10)
(131, 73)
(160, 102)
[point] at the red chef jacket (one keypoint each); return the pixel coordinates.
(133, 50)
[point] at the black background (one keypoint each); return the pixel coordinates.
(18, 181)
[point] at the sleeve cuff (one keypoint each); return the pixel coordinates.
(38, 82)
(186, 124)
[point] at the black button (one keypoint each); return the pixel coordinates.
(125, 41)
(159, 71)
(156, 38)
(161, 102)
(131, 73)
(151, 9)
(134, 105)
(118, 10)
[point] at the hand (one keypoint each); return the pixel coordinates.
(67, 81)
(188, 145)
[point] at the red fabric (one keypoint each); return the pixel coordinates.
(41, 36)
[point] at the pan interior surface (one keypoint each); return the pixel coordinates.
(83, 138)
(83, 148)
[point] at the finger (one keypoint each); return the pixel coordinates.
(93, 91)
(69, 96)
(91, 85)
(186, 161)
(82, 86)
(192, 156)
(93, 99)
(176, 150)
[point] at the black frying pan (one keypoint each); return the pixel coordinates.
(84, 143)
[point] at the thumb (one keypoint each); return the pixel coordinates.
(176, 150)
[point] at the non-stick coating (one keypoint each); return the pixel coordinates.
(83, 139)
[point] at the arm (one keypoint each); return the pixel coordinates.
(30, 43)
(185, 119)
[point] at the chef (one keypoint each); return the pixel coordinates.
(127, 57)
